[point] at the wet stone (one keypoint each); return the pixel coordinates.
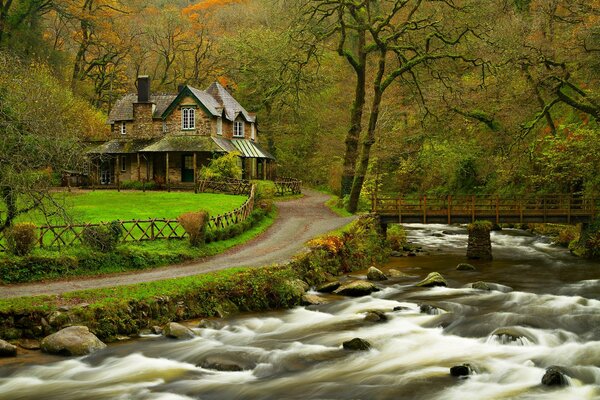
(374, 274)
(356, 289)
(29, 344)
(328, 287)
(465, 267)
(7, 349)
(178, 331)
(461, 370)
(357, 344)
(554, 377)
(376, 316)
(433, 279)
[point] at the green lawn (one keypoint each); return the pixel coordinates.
(109, 205)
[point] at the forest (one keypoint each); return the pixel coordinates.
(402, 96)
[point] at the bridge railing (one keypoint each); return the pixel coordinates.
(491, 207)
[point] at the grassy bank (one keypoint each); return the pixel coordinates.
(84, 261)
(109, 205)
(125, 310)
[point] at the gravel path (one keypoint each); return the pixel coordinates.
(298, 221)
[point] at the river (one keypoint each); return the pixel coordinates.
(547, 296)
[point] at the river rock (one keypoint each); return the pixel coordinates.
(178, 331)
(395, 253)
(226, 308)
(511, 334)
(29, 344)
(357, 344)
(222, 366)
(554, 376)
(433, 279)
(328, 287)
(72, 341)
(481, 286)
(461, 370)
(356, 289)
(7, 349)
(313, 300)
(430, 309)
(374, 274)
(394, 273)
(465, 267)
(376, 316)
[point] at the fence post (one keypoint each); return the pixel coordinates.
(449, 201)
(425, 209)
(473, 208)
(152, 229)
(497, 209)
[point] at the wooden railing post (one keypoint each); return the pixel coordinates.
(449, 202)
(497, 210)
(570, 200)
(425, 209)
(473, 208)
(152, 229)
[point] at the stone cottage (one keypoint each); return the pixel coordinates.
(167, 138)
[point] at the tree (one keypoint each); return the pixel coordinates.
(403, 36)
(41, 126)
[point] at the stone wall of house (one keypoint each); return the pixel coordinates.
(144, 126)
(205, 124)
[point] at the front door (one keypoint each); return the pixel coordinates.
(106, 172)
(187, 168)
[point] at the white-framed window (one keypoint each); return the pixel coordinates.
(219, 126)
(252, 131)
(188, 118)
(123, 128)
(238, 128)
(123, 164)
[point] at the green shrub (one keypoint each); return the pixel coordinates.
(21, 238)
(103, 237)
(396, 236)
(227, 166)
(195, 224)
(265, 190)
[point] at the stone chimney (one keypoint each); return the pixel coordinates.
(143, 110)
(143, 86)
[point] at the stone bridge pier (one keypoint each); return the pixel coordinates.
(479, 245)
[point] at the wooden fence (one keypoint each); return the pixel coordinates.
(231, 186)
(138, 230)
(285, 186)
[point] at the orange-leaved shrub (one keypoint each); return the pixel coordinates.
(195, 224)
(21, 238)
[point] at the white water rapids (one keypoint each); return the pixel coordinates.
(546, 297)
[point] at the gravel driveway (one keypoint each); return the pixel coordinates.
(298, 221)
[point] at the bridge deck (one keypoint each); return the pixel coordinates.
(566, 209)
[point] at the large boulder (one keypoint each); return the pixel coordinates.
(554, 376)
(72, 341)
(178, 331)
(433, 279)
(356, 288)
(374, 274)
(7, 349)
(394, 273)
(328, 287)
(357, 344)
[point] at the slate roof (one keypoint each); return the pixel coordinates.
(120, 146)
(230, 105)
(123, 108)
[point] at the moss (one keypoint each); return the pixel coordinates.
(484, 226)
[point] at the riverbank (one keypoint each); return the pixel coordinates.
(128, 309)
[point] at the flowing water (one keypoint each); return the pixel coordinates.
(548, 300)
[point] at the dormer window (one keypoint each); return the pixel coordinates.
(219, 126)
(188, 118)
(238, 128)
(123, 128)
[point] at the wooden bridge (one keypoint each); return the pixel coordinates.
(565, 209)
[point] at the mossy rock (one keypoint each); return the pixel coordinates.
(356, 288)
(178, 331)
(7, 349)
(375, 274)
(465, 267)
(226, 308)
(433, 279)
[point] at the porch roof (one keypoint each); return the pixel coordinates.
(184, 144)
(246, 148)
(119, 146)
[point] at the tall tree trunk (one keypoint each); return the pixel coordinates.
(10, 201)
(361, 172)
(353, 135)
(4, 7)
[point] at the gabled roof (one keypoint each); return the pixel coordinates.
(230, 105)
(123, 108)
(203, 99)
